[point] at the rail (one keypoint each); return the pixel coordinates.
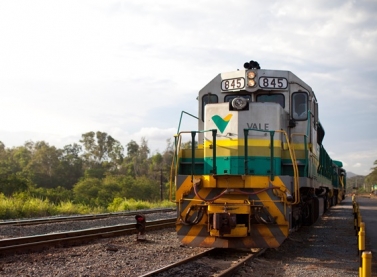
(34, 243)
(44, 220)
(240, 259)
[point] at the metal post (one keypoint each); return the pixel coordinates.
(193, 134)
(161, 185)
(366, 265)
(306, 158)
(272, 154)
(246, 134)
(361, 239)
(214, 133)
(161, 196)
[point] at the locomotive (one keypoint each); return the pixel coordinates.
(255, 169)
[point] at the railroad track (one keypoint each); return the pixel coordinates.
(25, 222)
(39, 242)
(213, 262)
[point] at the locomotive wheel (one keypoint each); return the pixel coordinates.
(312, 212)
(334, 200)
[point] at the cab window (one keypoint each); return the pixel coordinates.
(299, 106)
(273, 98)
(229, 98)
(208, 99)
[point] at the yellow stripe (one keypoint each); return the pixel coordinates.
(268, 237)
(241, 142)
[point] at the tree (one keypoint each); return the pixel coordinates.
(71, 166)
(146, 189)
(136, 163)
(44, 164)
(371, 178)
(142, 160)
(132, 149)
(102, 153)
(130, 162)
(12, 178)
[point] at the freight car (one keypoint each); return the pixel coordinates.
(255, 169)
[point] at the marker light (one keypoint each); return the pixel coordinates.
(239, 103)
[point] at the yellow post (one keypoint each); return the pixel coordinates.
(362, 226)
(361, 241)
(366, 266)
(355, 217)
(358, 220)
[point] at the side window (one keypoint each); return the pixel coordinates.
(299, 106)
(273, 98)
(208, 99)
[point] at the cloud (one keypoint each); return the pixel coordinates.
(129, 68)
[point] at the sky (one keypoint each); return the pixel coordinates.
(129, 68)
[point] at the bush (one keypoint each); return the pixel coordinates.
(86, 191)
(21, 206)
(116, 205)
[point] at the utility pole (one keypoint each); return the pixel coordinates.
(161, 194)
(161, 191)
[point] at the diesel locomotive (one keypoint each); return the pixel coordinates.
(256, 168)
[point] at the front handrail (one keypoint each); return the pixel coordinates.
(291, 153)
(174, 167)
(180, 119)
(177, 143)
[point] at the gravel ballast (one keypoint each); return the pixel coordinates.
(329, 248)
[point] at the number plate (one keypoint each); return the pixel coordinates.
(232, 84)
(273, 82)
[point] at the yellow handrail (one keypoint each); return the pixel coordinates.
(295, 168)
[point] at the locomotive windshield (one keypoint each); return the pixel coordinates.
(273, 98)
(229, 98)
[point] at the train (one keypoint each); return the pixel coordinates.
(256, 169)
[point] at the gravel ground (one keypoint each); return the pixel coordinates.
(326, 249)
(329, 248)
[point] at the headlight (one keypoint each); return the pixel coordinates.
(251, 75)
(251, 83)
(251, 79)
(239, 103)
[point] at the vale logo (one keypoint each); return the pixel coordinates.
(220, 122)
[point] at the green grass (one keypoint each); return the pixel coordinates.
(20, 206)
(123, 204)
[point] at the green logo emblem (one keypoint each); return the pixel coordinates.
(221, 123)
